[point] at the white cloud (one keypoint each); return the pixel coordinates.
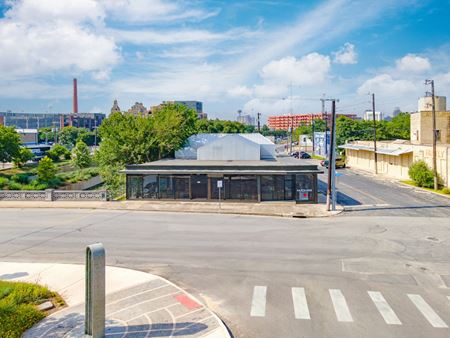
(346, 55)
(240, 91)
(308, 70)
(48, 41)
(413, 63)
(386, 86)
(144, 11)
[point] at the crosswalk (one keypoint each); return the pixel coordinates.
(338, 302)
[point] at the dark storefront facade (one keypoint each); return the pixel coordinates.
(262, 181)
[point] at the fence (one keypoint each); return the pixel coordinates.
(53, 195)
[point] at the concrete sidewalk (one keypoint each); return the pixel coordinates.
(282, 209)
(138, 304)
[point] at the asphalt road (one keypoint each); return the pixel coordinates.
(368, 196)
(264, 276)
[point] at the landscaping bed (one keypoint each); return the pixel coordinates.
(26, 178)
(19, 304)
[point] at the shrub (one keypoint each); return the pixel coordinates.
(14, 185)
(421, 174)
(21, 178)
(81, 156)
(46, 169)
(3, 182)
(446, 191)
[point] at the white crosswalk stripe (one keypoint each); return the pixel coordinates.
(340, 306)
(432, 317)
(383, 307)
(301, 310)
(259, 301)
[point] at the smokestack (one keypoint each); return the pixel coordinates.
(75, 97)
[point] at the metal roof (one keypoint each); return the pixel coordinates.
(384, 151)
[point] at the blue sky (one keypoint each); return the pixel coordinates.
(229, 54)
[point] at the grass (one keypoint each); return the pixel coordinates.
(317, 157)
(18, 311)
(443, 191)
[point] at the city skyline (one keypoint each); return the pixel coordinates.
(229, 55)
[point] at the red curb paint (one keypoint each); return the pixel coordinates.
(187, 302)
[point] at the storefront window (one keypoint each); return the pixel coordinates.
(181, 187)
(304, 188)
(215, 189)
(276, 187)
(165, 187)
(150, 187)
(134, 187)
(249, 189)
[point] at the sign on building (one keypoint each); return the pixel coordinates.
(321, 143)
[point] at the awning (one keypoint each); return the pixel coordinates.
(384, 151)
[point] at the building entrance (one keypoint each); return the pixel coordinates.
(199, 186)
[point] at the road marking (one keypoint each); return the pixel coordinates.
(300, 304)
(340, 306)
(427, 311)
(259, 301)
(383, 307)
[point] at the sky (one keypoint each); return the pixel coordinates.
(256, 55)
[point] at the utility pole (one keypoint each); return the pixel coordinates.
(258, 118)
(313, 122)
(331, 189)
(324, 113)
(290, 121)
(374, 134)
(433, 117)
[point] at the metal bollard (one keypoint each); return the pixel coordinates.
(95, 291)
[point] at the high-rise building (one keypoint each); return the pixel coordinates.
(246, 119)
(286, 122)
(368, 115)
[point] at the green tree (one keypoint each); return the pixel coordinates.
(45, 135)
(68, 136)
(9, 144)
(23, 157)
(126, 139)
(46, 170)
(400, 126)
(81, 156)
(172, 125)
(57, 151)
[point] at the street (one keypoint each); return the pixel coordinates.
(381, 268)
(366, 196)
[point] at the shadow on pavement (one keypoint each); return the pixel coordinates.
(342, 199)
(399, 208)
(72, 325)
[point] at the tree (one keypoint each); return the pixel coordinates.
(81, 156)
(125, 139)
(9, 144)
(400, 126)
(421, 174)
(45, 135)
(173, 124)
(57, 151)
(46, 169)
(23, 157)
(68, 136)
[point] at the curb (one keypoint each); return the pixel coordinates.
(421, 189)
(124, 207)
(221, 331)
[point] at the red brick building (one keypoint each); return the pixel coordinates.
(284, 122)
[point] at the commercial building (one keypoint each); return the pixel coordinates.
(395, 157)
(285, 122)
(55, 120)
(28, 136)
(368, 115)
(236, 167)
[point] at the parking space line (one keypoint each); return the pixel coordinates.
(432, 317)
(301, 310)
(383, 307)
(259, 301)
(340, 306)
